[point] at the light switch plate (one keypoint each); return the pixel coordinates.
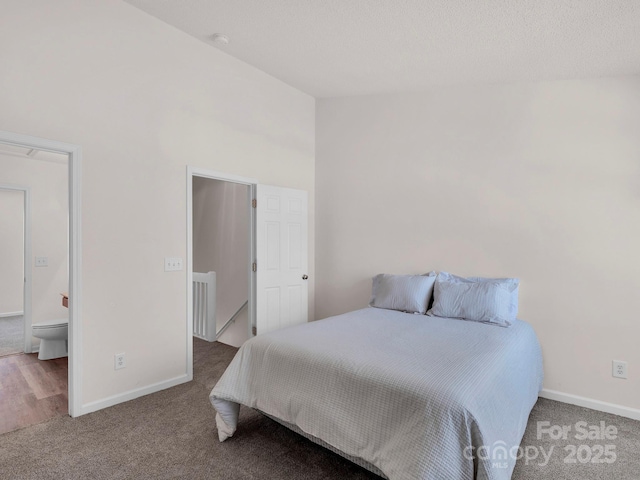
(172, 264)
(42, 262)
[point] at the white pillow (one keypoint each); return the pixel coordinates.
(407, 293)
(487, 300)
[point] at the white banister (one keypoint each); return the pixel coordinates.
(204, 306)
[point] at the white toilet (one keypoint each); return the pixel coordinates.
(53, 335)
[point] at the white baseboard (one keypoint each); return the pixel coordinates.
(598, 405)
(11, 314)
(131, 394)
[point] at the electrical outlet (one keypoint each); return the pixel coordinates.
(172, 264)
(119, 361)
(619, 369)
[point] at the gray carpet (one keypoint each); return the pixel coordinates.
(171, 434)
(11, 335)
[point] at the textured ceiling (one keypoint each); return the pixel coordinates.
(354, 47)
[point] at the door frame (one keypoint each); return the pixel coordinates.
(26, 263)
(74, 155)
(225, 177)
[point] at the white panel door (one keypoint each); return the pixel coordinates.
(281, 257)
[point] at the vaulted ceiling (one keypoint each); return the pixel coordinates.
(356, 47)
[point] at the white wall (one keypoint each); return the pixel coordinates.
(221, 230)
(536, 181)
(49, 232)
(11, 251)
(143, 100)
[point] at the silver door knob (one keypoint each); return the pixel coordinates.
(305, 276)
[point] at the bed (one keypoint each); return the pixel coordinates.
(404, 395)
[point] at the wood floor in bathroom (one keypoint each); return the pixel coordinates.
(31, 390)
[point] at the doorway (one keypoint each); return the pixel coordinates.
(34, 214)
(194, 176)
(27, 148)
(221, 249)
(277, 252)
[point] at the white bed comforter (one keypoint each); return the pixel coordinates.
(413, 395)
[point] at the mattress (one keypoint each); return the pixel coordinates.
(417, 397)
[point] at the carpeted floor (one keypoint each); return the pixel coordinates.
(171, 434)
(11, 335)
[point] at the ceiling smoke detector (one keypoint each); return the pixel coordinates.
(220, 39)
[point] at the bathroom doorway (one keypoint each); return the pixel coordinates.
(22, 150)
(34, 214)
